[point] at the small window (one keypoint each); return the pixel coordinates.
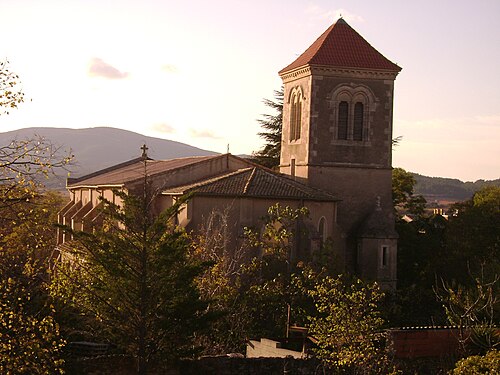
(358, 122)
(384, 260)
(292, 167)
(343, 120)
(322, 231)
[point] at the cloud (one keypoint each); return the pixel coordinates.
(318, 13)
(169, 68)
(202, 134)
(163, 128)
(99, 68)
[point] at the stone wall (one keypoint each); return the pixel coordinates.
(249, 366)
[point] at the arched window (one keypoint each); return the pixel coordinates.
(295, 116)
(357, 133)
(322, 231)
(352, 107)
(343, 120)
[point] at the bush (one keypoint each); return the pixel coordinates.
(479, 364)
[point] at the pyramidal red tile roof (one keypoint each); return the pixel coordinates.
(341, 46)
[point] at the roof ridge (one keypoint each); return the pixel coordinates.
(73, 180)
(250, 179)
(299, 185)
(205, 182)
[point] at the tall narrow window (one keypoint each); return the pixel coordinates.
(322, 231)
(292, 167)
(295, 116)
(357, 134)
(384, 261)
(343, 120)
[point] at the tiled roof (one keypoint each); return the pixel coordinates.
(133, 170)
(341, 46)
(253, 182)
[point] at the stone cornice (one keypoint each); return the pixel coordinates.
(332, 71)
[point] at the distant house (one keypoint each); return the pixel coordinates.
(335, 160)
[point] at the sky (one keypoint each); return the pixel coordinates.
(196, 71)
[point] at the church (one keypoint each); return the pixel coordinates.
(336, 155)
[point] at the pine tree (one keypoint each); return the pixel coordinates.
(134, 278)
(269, 155)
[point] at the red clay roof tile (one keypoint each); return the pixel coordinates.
(253, 182)
(341, 46)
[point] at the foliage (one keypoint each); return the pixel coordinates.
(403, 197)
(134, 278)
(474, 311)
(253, 283)
(269, 155)
(23, 162)
(23, 166)
(478, 365)
(348, 326)
(473, 237)
(10, 94)
(421, 258)
(30, 342)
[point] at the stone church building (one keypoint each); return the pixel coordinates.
(335, 160)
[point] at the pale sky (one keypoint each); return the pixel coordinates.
(196, 71)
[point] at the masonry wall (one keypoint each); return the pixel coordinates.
(249, 212)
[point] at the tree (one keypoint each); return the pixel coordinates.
(348, 325)
(403, 197)
(473, 237)
(253, 284)
(133, 278)
(23, 163)
(474, 310)
(30, 340)
(269, 155)
(10, 94)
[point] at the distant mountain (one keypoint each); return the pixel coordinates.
(101, 147)
(448, 189)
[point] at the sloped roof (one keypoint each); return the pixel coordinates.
(378, 225)
(133, 170)
(253, 182)
(341, 46)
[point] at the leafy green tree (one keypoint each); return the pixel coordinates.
(473, 237)
(30, 341)
(133, 277)
(269, 155)
(403, 184)
(348, 326)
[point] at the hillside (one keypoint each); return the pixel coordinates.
(101, 147)
(448, 189)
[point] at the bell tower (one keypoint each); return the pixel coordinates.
(337, 136)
